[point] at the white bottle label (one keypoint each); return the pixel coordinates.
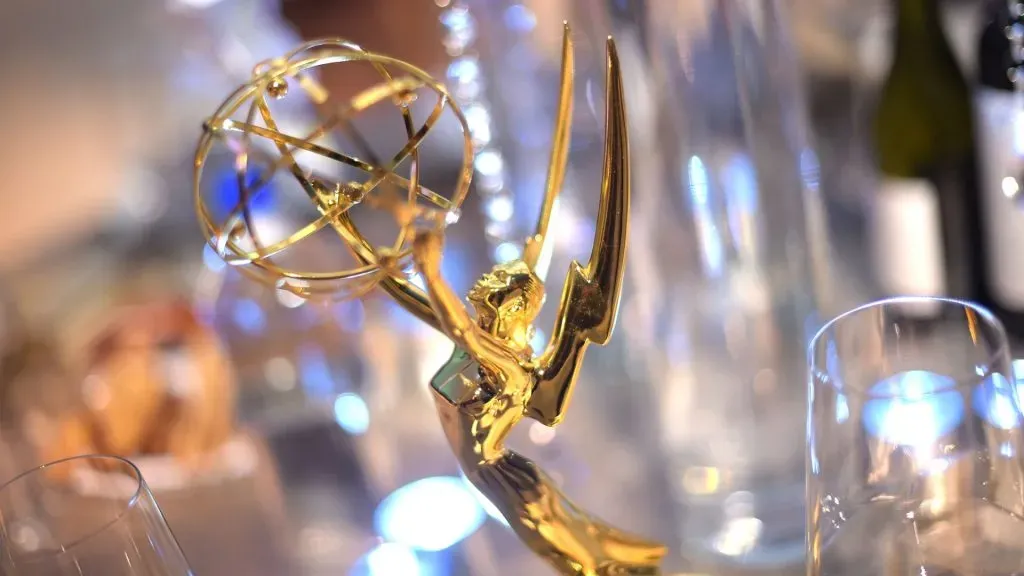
(907, 238)
(1001, 162)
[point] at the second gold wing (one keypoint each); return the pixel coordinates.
(537, 251)
(590, 298)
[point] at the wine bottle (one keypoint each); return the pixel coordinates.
(999, 105)
(925, 222)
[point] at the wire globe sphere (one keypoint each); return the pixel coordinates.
(261, 150)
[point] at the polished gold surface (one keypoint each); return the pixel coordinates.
(534, 253)
(493, 379)
(246, 119)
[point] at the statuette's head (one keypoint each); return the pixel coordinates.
(507, 300)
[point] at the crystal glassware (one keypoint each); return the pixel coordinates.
(913, 443)
(86, 515)
(727, 273)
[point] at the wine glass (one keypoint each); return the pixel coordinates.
(86, 515)
(914, 443)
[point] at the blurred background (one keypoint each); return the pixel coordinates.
(756, 184)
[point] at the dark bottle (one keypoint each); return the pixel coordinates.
(926, 235)
(1000, 134)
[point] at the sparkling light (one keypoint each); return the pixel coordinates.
(842, 409)
(541, 434)
(506, 252)
(810, 169)
(390, 559)
(500, 207)
(431, 514)
(351, 413)
(212, 260)
(316, 375)
(489, 163)
(519, 18)
(913, 408)
(1010, 187)
(289, 299)
(539, 339)
(996, 401)
(464, 70)
(280, 373)
(479, 121)
(698, 179)
(712, 251)
(194, 4)
(249, 316)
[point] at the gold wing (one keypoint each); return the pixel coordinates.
(590, 299)
(537, 251)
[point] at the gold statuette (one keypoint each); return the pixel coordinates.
(493, 379)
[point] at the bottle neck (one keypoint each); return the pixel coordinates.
(919, 28)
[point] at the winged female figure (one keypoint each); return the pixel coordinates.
(493, 379)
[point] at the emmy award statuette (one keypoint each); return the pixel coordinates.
(493, 379)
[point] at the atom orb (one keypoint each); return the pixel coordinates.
(265, 186)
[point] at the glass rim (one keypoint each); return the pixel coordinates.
(986, 315)
(129, 503)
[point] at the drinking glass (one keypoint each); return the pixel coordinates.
(913, 443)
(86, 515)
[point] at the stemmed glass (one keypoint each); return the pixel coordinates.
(914, 443)
(87, 515)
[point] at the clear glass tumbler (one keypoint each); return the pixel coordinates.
(913, 444)
(87, 515)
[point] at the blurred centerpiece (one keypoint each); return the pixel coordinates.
(492, 380)
(159, 388)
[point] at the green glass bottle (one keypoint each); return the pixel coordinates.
(925, 227)
(999, 110)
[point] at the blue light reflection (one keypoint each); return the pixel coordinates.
(519, 18)
(539, 340)
(810, 169)
(431, 514)
(248, 316)
(464, 70)
(740, 184)
(227, 192)
(212, 260)
(351, 413)
(842, 409)
(315, 372)
(913, 408)
(506, 252)
(712, 251)
(994, 401)
(389, 559)
(698, 179)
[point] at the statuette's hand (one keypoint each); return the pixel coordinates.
(426, 242)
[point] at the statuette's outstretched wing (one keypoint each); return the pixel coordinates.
(537, 252)
(590, 299)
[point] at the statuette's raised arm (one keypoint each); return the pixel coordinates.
(450, 310)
